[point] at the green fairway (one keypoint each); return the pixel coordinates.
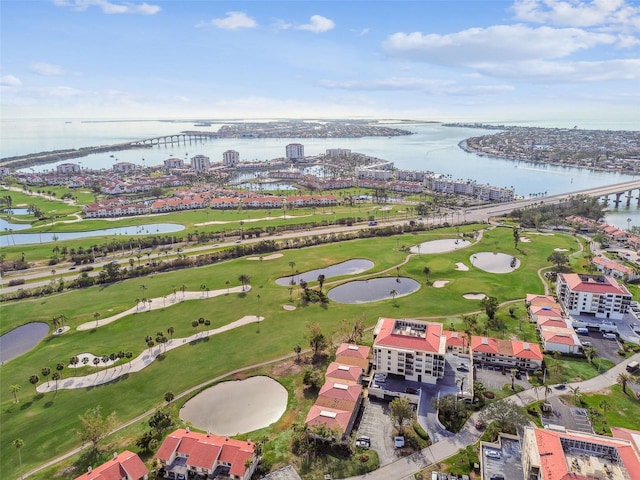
(46, 422)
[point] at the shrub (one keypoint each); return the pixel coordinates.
(420, 431)
(16, 281)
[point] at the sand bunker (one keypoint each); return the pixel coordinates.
(560, 250)
(525, 239)
(474, 296)
(462, 267)
(235, 407)
(440, 246)
(494, 262)
(89, 362)
(268, 257)
(440, 283)
(289, 308)
(61, 330)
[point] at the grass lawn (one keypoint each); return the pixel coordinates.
(46, 422)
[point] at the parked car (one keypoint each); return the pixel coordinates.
(609, 336)
(363, 441)
(561, 386)
(493, 454)
(586, 344)
(398, 442)
(411, 390)
(496, 476)
(462, 367)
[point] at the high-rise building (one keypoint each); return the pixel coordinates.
(295, 152)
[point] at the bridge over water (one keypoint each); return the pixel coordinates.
(184, 137)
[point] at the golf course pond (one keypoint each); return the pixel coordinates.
(236, 407)
(364, 291)
(494, 262)
(45, 237)
(440, 246)
(350, 267)
(21, 340)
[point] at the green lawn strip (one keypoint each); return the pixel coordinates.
(49, 207)
(182, 368)
(623, 409)
(572, 369)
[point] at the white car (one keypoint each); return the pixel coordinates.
(493, 454)
(363, 441)
(586, 344)
(398, 442)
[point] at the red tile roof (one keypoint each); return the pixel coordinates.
(562, 336)
(589, 284)
(526, 350)
(391, 335)
(343, 373)
(330, 417)
(349, 354)
(125, 464)
(455, 339)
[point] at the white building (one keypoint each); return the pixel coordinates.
(410, 348)
(200, 163)
(124, 167)
(230, 158)
(68, 168)
(295, 152)
(599, 296)
(338, 152)
(174, 163)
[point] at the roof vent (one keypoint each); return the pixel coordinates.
(485, 341)
(115, 455)
(343, 367)
(341, 386)
(526, 346)
(89, 470)
(353, 347)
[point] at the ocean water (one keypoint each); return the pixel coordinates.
(431, 147)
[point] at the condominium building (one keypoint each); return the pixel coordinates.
(230, 158)
(599, 296)
(126, 465)
(294, 152)
(200, 163)
(409, 348)
(68, 168)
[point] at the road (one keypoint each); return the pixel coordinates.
(455, 217)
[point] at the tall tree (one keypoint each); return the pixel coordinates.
(321, 279)
(490, 305)
(400, 412)
(244, 280)
(18, 443)
(509, 417)
(14, 389)
(623, 380)
(34, 379)
(317, 340)
(94, 427)
(427, 271)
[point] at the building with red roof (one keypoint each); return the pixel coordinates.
(125, 466)
(568, 455)
(558, 339)
(349, 374)
(599, 296)
(614, 269)
(506, 353)
(456, 341)
(350, 354)
(412, 349)
(184, 451)
(336, 420)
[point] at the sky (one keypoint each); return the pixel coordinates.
(475, 60)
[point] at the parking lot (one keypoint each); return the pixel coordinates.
(509, 463)
(492, 377)
(606, 348)
(376, 424)
(569, 417)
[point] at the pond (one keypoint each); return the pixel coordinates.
(16, 211)
(494, 262)
(363, 291)
(350, 267)
(236, 407)
(45, 237)
(21, 340)
(6, 226)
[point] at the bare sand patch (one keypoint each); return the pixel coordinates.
(462, 267)
(289, 308)
(474, 296)
(525, 239)
(560, 250)
(440, 283)
(268, 257)
(235, 407)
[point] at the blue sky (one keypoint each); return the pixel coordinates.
(429, 60)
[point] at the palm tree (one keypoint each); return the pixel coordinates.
(513, 378)
(14, 389)
(96, 316)
(168, 397)
(623, 380)
(59, 368)
(321, 279)
(427, 271)
(171, 331)
(56, 377)
(478, 391)
(227, 284)
(244, 279)
(297, 349)
(547, 391)
(575, 391)
(18, 443)
(393, 294)
(292, 265)
(34, 379)
(45, 373)
(591, 353)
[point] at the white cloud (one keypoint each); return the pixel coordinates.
(568, 72)
(109, 7)
(578, 13)
(10, 81)
(46, 69)
(317, 24)
(234, 21)
(496, 44)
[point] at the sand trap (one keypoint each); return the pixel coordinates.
(61, 330)
(268, 257)
(560, 250)
(462, 267)
(474, 296)
(235, 407)
(525, 240)
(440, 246)
(494, 262)
(289, 308)
(440, 283)
(90, 363)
